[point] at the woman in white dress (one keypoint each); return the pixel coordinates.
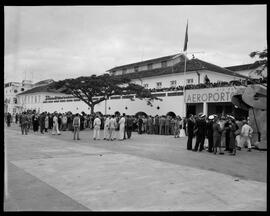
(182, 131)
(122, 127)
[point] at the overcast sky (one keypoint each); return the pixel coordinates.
(58, 42)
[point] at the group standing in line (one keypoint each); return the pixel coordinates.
(223, 131)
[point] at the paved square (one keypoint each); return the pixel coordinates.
(103, 179)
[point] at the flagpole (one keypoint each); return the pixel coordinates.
(184, 88)
(185, 68)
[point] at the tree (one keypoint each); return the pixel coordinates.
(94, 89)
(263, 56)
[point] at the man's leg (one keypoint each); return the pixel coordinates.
(98, 133)
(94, 134)
(197, 143)
(202, 143)
(249, 143)
(74, 133)
(78, 133)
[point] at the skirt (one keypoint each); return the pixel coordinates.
(182, 133)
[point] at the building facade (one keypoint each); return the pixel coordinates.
(165, 77)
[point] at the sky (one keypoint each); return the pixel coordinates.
(60, 42)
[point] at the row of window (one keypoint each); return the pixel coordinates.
(15, 90)
(30, 99)
(149, 67)
(173, 83)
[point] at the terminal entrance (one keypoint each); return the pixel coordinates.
(194, 109)
(226, 109)
(220, 108)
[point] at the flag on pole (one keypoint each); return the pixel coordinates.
(186, 38)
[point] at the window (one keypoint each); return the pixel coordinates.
(145, 85)
(35, 99)
(32, 99)
(150, 66)
(173, 83)
(136, 69)
(15, 91)
(164, 64)
(159, 84)
(124, 71)
(189, 81)
(22, 89)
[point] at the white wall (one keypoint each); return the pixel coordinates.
(166, 79)
(113, 105)
(175, 105)
(23, 100)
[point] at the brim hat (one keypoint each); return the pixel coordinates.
(231, 117)
(211, 117)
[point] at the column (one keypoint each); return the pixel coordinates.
(205, 108)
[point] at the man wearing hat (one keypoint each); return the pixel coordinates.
(200, 126)
(246, 132)
(217, 135)
(209, 132)
(190, 130)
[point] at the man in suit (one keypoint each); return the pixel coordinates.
(209, 132)
(162, 121)
(201, 131)
(217, 131)
(190, 131)
(156, 124)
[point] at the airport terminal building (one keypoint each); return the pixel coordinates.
(165, 77)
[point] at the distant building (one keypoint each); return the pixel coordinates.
(33, 98)
(11, 89)
(249, 70)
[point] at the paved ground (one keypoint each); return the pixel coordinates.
(148, 172)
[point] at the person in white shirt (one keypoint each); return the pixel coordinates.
(246, 134)
(122, 127)
(55, 125)
(106, 128)
(64, 122)
(112, 126)
(97, 123)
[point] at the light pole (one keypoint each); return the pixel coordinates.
(106, 105)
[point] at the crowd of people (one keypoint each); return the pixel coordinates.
(57, 122)
(220, 131)
(208, 84)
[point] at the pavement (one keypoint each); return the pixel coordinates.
(145, 173)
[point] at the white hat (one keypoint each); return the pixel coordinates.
(211, 117)
(230, 116)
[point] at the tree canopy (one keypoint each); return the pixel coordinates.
(263, 56)
(94, 89)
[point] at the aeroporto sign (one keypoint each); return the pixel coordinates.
(223, 94)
